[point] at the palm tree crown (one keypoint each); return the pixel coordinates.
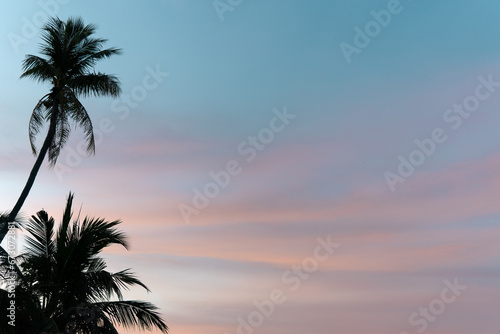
(65, 287)
(70, 54)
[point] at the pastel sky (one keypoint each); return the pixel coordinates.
(371, 125)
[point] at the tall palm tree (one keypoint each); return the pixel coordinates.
(65, 286)
(69, 54)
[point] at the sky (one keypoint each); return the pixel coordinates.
(284, 166)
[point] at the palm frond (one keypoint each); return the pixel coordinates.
(40, 236)
(126, 278)
(79, 114)
(96, 84)
(97, 233)
(62, 234)
(61, 136)
(38, 116)
(131, 313)
(91, 53)
(37, 68)
(106, 284)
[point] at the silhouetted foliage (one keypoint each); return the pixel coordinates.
(65, 287)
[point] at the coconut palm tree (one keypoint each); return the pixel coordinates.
(69, 54)
(65, 287)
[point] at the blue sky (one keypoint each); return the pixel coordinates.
(322, 175)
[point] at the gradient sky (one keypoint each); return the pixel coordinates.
(322, 175)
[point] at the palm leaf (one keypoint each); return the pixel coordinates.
(40, 238)
(133, 313)
(36, 121)
(96, 84)
(79, 114)
(37, 68)
(105, 284)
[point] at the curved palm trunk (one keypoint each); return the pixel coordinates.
(34, 171)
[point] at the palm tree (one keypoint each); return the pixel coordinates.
(65, 286)
(70, 53)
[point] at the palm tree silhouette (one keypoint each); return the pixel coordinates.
(69, 54)
(65, 287)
